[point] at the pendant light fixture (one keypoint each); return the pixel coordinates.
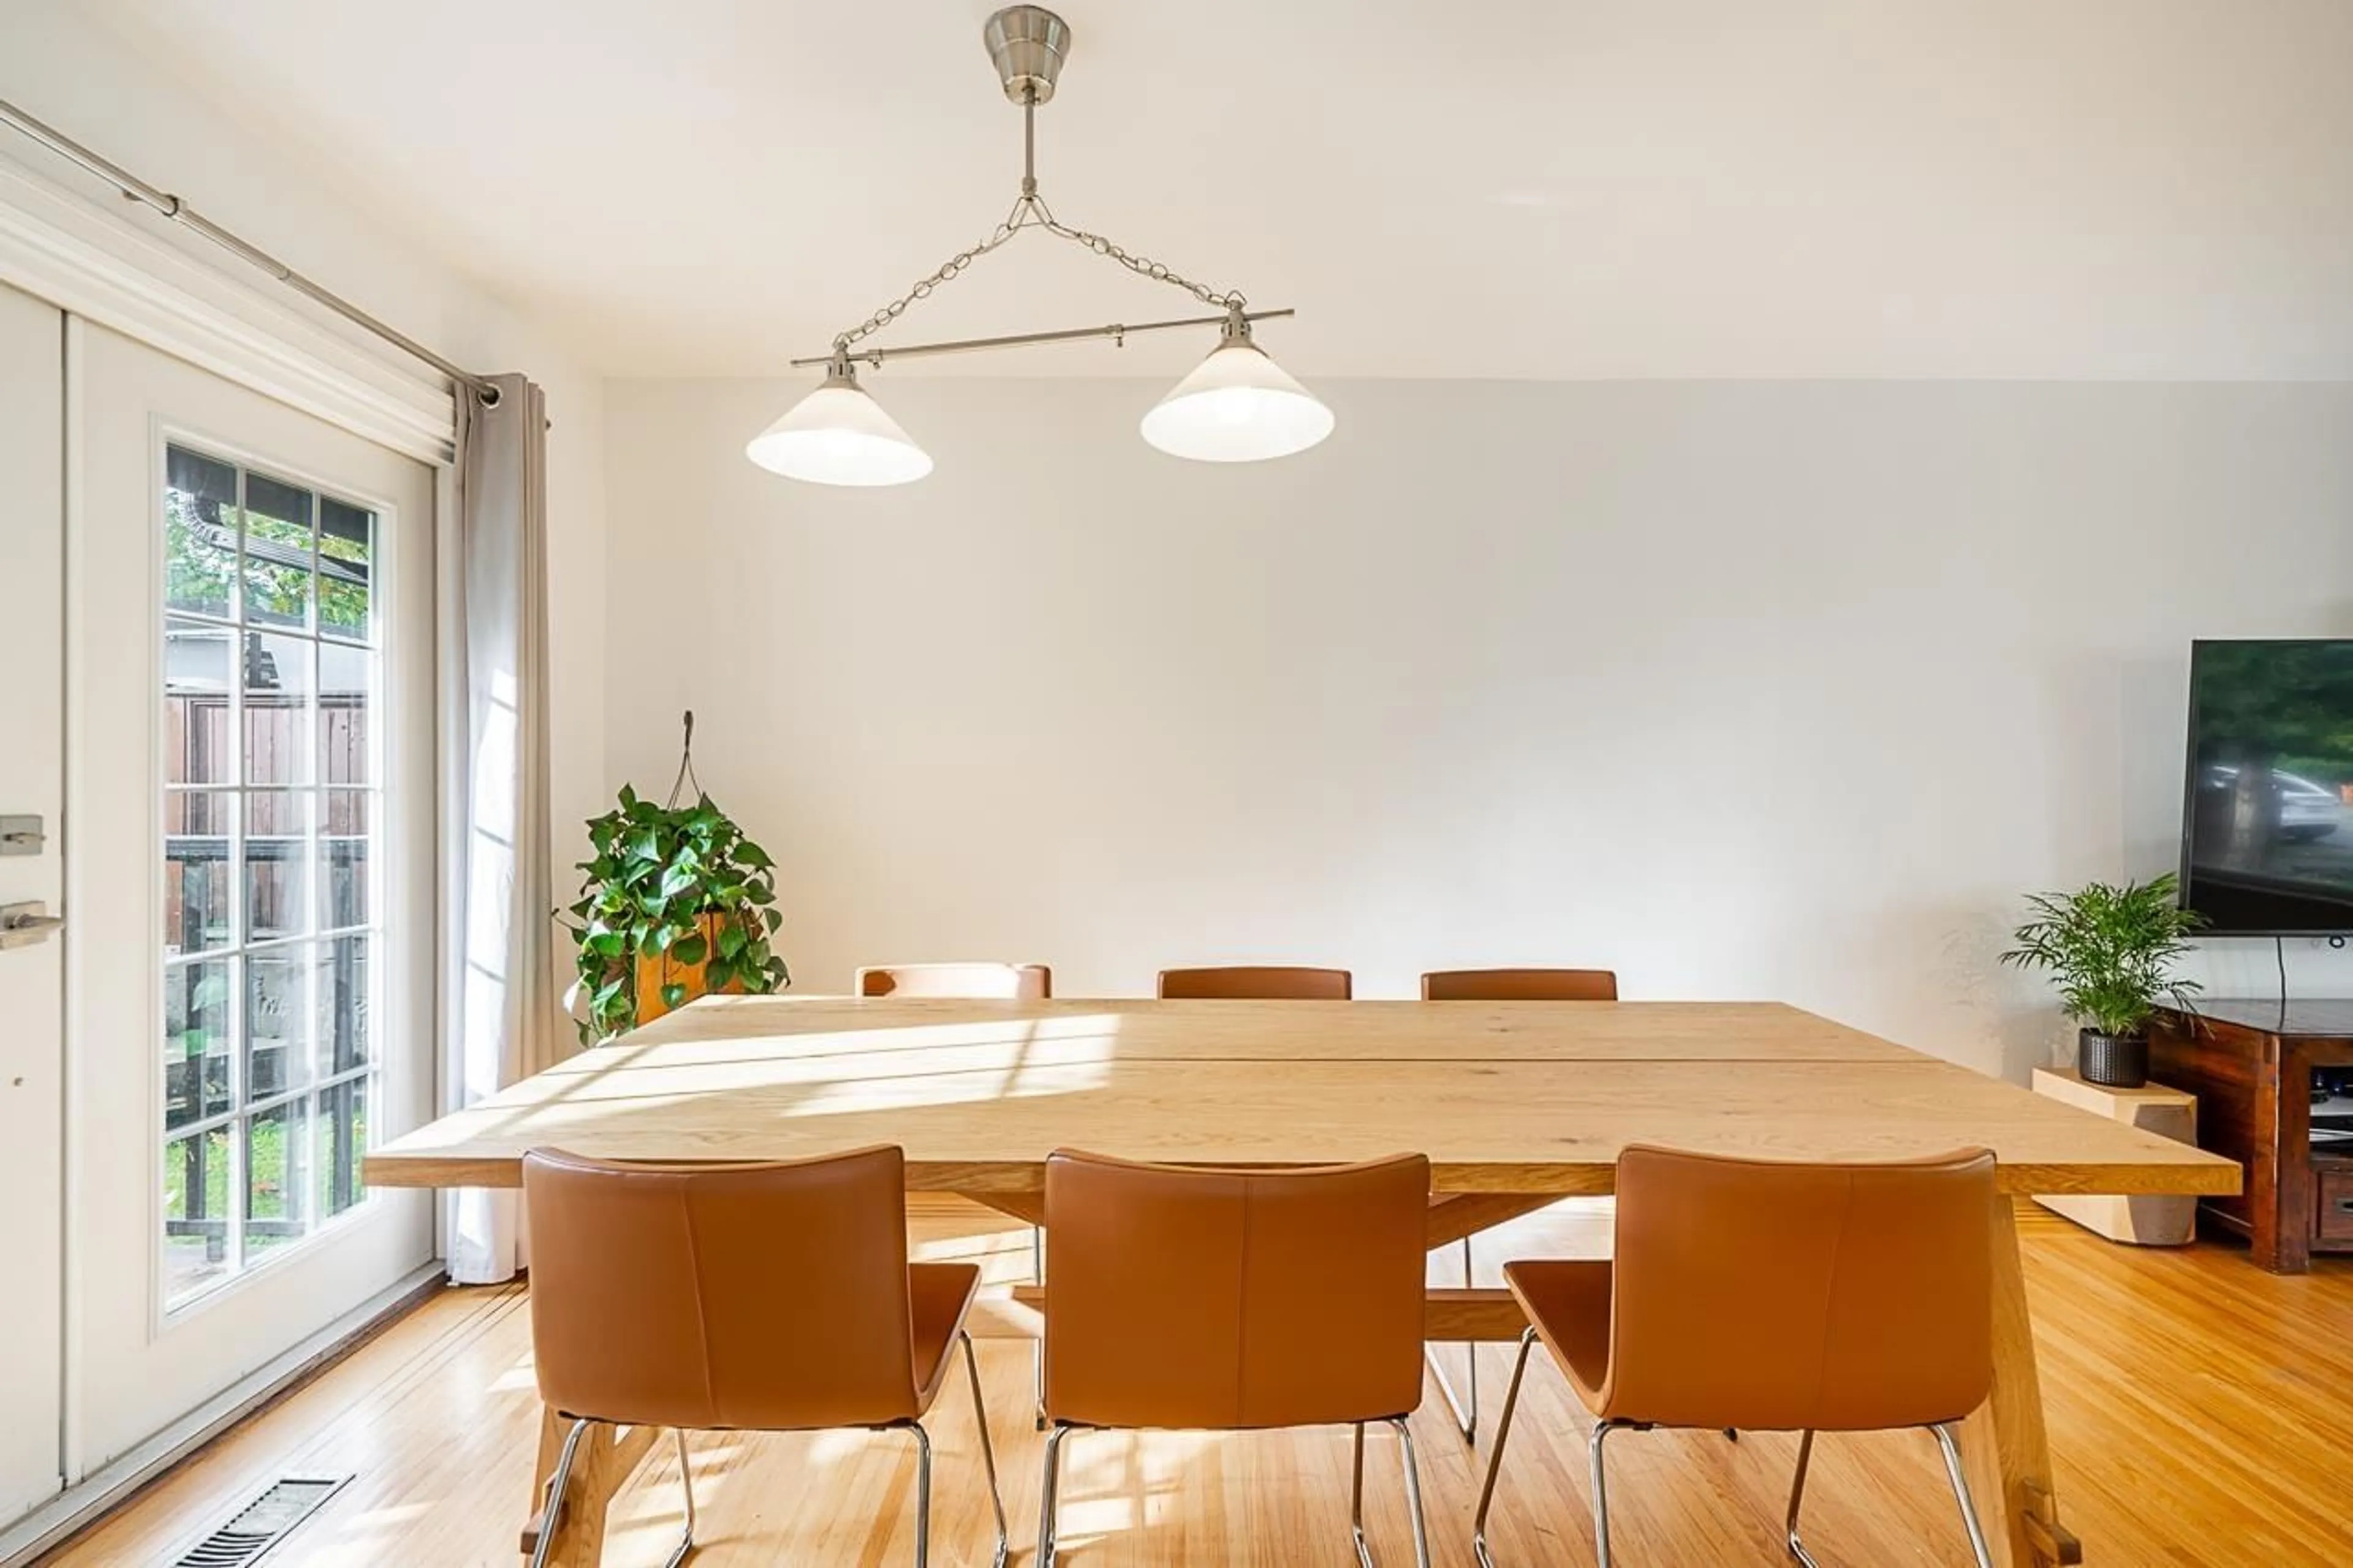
(1236, 406)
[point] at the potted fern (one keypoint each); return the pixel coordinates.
(2111, 951)
(675, 902)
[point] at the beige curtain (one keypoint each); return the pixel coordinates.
(502, 1016)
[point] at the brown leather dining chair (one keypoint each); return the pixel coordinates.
(1502, 985)
(744, 1297)
(1208, 1298)
(1257, 983)
(1774, 1297)
(963, 982)
(1520, 985)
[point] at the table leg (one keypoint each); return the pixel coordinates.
(2007, 1451)
(608, 1455)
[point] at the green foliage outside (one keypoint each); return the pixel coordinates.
(2110, 950)
(266, 1173)
(200, 567)
(655, 873)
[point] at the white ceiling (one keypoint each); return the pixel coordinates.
(1525, 188)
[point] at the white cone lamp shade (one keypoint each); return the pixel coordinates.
(839, 436)
(1238, 406)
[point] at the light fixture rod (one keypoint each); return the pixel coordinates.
(1029, 145)
(1017, 340)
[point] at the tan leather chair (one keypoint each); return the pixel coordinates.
(1257, 983)
(1520, 985)
(968, 982)
(1752, 1294)
(1221, 1300)
(1502, 985)
(767, 1298)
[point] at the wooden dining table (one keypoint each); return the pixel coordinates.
(1516, 1105)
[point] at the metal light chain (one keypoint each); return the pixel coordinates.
(923, 291)
(1158, 271)
(1030, 211)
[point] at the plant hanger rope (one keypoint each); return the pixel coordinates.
(685, 766)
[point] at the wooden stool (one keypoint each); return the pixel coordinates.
(2171, 1113)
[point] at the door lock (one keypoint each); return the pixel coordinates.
(27, 924)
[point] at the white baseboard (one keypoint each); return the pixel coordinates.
(79, 1505)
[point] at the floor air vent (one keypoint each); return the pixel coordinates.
(262, 1523)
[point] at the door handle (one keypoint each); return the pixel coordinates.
(27, 924)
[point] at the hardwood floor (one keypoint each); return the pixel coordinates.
(2198, 1412)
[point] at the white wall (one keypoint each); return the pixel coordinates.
(262, 178)
(1748, 689)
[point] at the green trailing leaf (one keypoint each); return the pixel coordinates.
(2110, 950)
(656, 875)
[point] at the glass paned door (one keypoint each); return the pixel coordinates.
(271, 682)
(251, 623)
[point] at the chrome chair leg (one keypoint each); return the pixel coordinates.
(1412, 1491)
(686, 1482)
(1601, 1430)
(1412, 1496)
(1952, 1453)
(922, 1494)
(552, 1506)
(1356, 1502)
(1047, 1489)
(1495, 1459)
(1465, 1410)
(1797, 1497)
(987, 1449)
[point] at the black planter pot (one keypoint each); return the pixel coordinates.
(2119, 1061)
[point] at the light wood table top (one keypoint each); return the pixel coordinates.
(719, 1029)
(1527, 1097)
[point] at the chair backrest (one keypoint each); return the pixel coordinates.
(967, 982)
(1520, 985)
(762, 1297)
(1258, 983)
(1206, 1298)
(1775, 1296)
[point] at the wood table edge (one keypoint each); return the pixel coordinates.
(2207, 1175)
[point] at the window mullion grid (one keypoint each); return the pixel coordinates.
(301, 1140)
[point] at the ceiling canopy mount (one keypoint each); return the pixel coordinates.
(1236, 405)
(1029, 45)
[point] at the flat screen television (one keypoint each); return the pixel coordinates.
(2267, 817)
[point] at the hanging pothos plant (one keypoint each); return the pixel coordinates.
(678, 885)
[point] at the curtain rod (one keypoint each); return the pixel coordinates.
(179, 211)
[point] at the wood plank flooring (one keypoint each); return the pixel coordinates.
(2197, 1406)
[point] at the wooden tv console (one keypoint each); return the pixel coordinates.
(2250, 1064)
